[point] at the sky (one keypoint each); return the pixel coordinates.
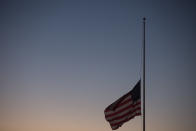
(64, 62)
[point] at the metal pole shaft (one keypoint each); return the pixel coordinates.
(144, 61)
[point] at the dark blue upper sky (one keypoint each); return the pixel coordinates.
(63, 61)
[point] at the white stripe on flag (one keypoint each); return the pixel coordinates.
(123, 112)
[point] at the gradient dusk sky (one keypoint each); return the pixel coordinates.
(64, 62)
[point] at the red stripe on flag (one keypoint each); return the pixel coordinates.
(120, 104)
(117, 112)
(122, 116)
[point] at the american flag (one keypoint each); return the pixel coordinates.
(125, 108)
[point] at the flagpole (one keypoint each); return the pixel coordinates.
(144, 62)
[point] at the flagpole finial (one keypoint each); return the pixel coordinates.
(144, 19)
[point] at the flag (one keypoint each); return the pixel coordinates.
(125, 108)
